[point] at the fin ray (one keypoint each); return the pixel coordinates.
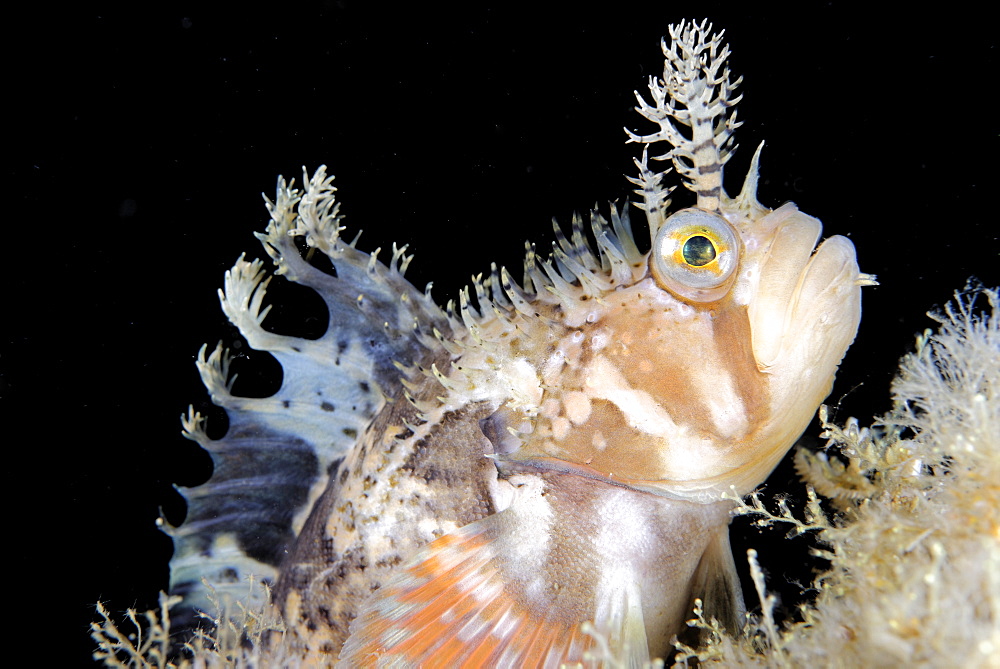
(717, 583)
(468, 599)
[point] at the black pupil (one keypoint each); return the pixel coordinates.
(698, 251)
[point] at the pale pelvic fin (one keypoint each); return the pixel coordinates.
(717, 584)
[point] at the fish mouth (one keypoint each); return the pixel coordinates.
(803, 290)
(803, 317)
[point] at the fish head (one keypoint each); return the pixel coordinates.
(764, 313)
(697, 378)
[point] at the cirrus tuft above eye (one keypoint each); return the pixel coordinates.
(695, 255)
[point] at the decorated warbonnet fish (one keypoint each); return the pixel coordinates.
(501, 480)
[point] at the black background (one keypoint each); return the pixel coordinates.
(141, 140)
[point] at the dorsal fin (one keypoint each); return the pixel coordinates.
(694, 92)
(279, 451)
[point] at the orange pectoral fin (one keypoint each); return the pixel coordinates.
(453, 607)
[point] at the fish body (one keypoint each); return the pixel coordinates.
(546, 462)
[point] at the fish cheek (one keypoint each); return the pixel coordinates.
(734, 341)
(608, 444)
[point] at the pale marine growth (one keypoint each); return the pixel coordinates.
(233, 635)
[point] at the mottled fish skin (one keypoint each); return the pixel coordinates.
(399, 489)
(499, 482)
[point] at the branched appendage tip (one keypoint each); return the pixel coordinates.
(695, 92)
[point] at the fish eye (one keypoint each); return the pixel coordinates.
(698, 251)
(694, 255)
